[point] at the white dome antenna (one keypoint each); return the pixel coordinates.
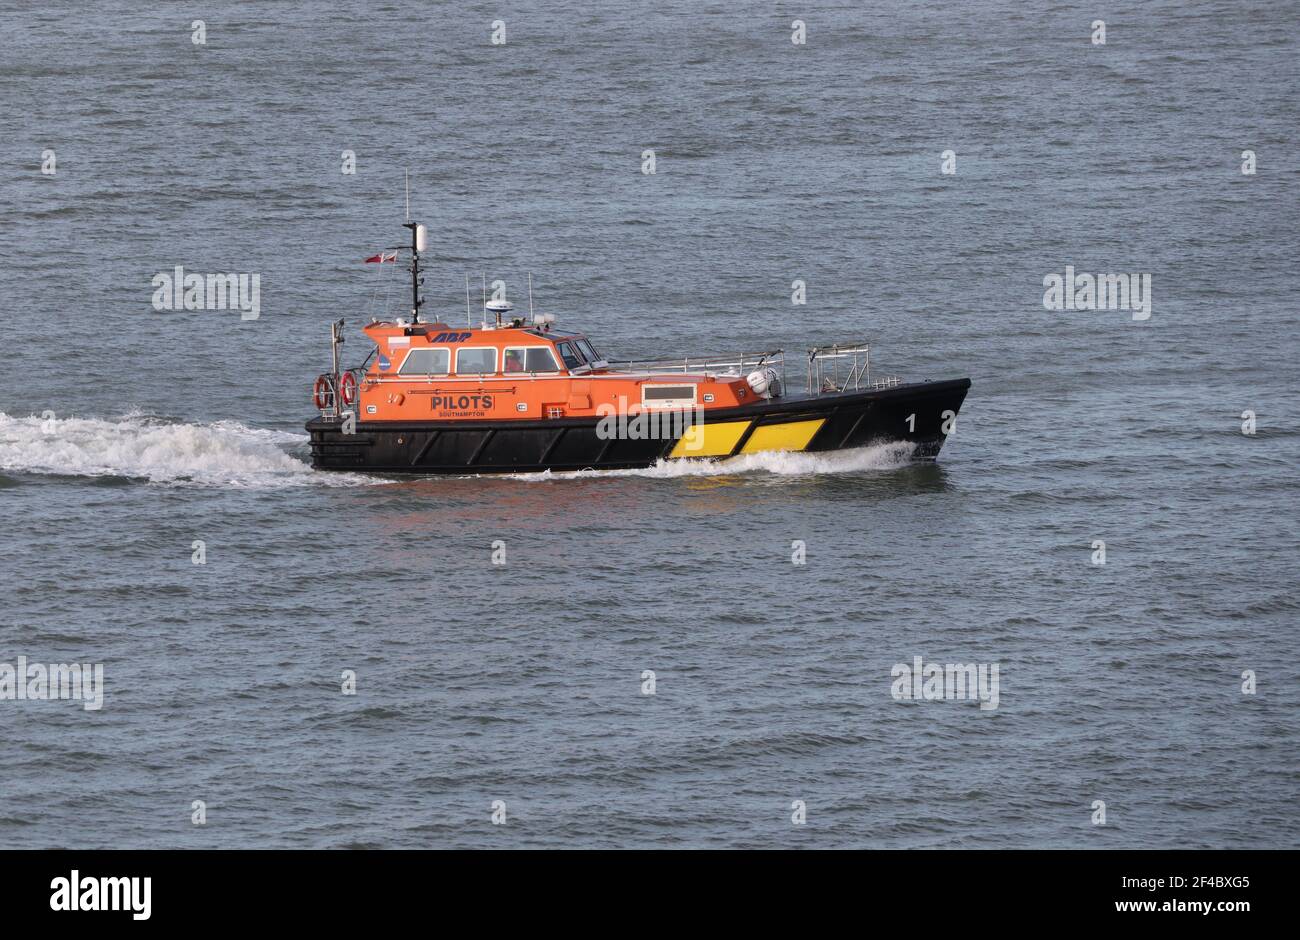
(499, 307)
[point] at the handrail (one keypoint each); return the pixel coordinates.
(737, 361)
(823, 362)
(857, 355)
(741, 366)
(842, 347)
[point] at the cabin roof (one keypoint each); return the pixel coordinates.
(382, 328)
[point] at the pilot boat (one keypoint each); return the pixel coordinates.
(516, 394)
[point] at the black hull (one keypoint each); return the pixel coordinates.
(852, 419)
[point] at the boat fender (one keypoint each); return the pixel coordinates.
(348, 388)
(323, 392)
(765, 383)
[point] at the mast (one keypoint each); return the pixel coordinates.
(418, 240)
(336, 340)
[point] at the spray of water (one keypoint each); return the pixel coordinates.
(226, 453)
(137, 446)
(775, 463)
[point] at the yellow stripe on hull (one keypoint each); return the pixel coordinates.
(793, 435)
(710, 440)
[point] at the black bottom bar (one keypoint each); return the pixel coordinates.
(932, 892)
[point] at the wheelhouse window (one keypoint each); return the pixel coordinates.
(586, 349)
(570, 356)
(425, 362)
(530, 359)
(476, 361)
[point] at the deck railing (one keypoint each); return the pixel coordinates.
(837, 368)
(843, 366)
(726, 364)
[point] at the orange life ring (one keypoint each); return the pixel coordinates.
(323, 392)
(348, 388)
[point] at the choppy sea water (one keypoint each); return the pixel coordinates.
(523, 682)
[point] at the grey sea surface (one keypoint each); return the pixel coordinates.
(128, 434)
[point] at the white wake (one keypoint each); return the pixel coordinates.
(890, 456)
(141, 447)
(226, 453)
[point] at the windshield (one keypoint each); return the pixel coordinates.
(570, 356)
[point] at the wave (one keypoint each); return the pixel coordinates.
(166, 450)
(160, 450)
(891, 456)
